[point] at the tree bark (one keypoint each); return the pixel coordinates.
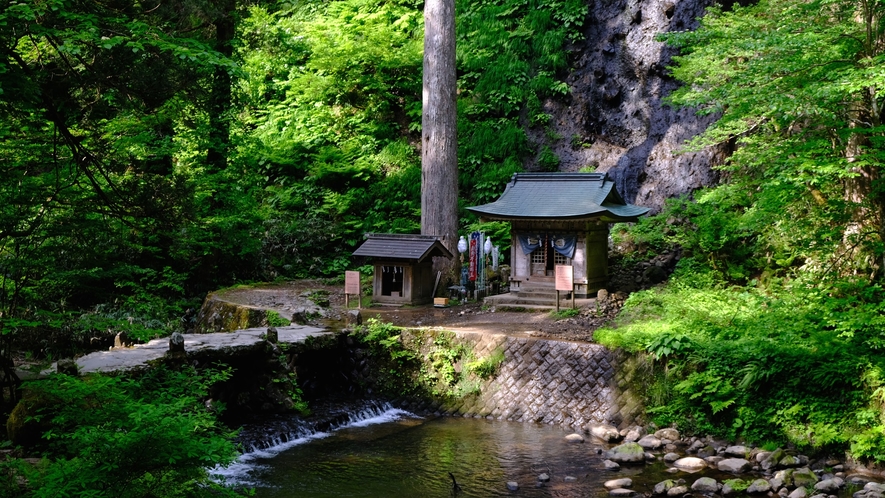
(220, 93)
(439, 140)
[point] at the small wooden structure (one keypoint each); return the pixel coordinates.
(403, 266)
(559, 219)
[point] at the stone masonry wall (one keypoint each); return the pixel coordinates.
(546, 381)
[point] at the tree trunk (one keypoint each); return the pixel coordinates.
(220, 93)
(439, 140)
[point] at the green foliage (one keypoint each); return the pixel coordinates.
(444, 368)
(275, 320)
(110, 436)
(787, 363)
(565, 313)
(485, 368)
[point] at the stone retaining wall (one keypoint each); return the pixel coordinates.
(546, 381)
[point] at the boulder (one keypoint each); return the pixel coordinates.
(633, 434)
(662, 487)
(543, 477)
(776, 482)
(690, 463)
(875, 487)
(706, 485)
(570, 479)
(605, 432)
(804, 477)
(625, 482)
(667, 433)
(677, 491)
(512, 486)
(737, 451)
(706, 451)
(610, 465)
(772, 459)
(790, 461)
(650, 442)
(829, 486)
(758, 486)
(671, 457)
(695, 446)
(734, 465)
(627, 453)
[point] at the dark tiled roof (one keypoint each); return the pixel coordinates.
(397, 246)
(560, 195)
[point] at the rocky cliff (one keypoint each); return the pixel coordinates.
(614, 119)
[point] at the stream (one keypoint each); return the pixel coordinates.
(380, 451)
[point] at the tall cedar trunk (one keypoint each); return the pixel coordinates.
(220, 96)
(439, 141)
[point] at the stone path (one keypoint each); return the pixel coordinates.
(138, 356)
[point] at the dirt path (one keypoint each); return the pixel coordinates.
(298, 295)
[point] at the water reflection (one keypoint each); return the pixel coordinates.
(412, 458)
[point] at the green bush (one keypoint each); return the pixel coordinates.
(118, 437)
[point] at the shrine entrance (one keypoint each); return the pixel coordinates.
(545, 258)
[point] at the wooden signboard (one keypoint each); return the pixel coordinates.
(565, 278)
(352, 286)
(565, 281)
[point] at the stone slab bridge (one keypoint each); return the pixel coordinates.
(120, 359)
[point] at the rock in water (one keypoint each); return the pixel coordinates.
(690, 463)
(627, 453)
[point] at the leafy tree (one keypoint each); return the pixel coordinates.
(797, 86)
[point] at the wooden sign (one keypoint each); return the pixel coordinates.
(565, 278)
(351, 282)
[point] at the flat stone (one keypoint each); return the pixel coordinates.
(622, 493)
(543, 478)
(138, 356)
(512, 485)
(733, 465)
(574, 438)
(610, 465)
(570, 479)
(737, 451)
(671, 457)
(650, 442)
(690, 463)
(667, 433)
(624, 482)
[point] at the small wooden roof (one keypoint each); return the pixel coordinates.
(573, 196)
(414, 248)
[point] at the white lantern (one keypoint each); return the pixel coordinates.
(487, 247)
(462, 245)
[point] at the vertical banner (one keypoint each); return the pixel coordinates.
(474, 255)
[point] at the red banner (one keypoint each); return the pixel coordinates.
(474, 255)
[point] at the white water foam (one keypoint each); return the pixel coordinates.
(239, 472)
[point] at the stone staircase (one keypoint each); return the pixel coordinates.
(539, 294)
